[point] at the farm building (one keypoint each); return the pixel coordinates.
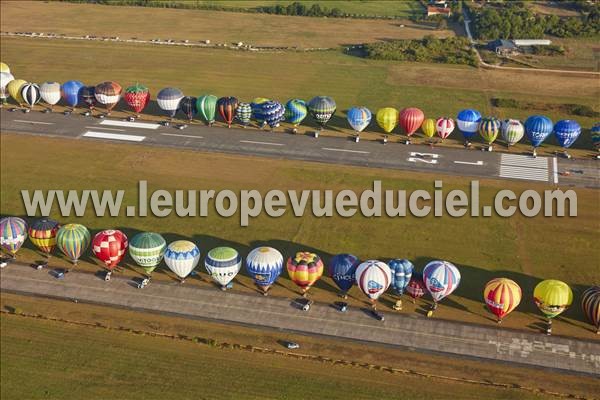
(438, 7)
(503, 47)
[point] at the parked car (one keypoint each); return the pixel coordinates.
(292, 345)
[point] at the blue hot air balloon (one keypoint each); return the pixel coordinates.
(295, 112)
(537, 129)
(359, 118)
(468, 122)
(566, 132)
(401, 273)
(70, 92)
(595, 131)
(271, 112)
(264, 265)
(342, 269)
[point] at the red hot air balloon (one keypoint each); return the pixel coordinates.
(137, 97)
(227, 107)
(410, 120)
(109, 246)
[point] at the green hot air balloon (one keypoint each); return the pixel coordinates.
(147, 250)
(489, 127)
(207, 107)
(73, 240)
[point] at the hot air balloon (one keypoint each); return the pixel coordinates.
(181, 257)
(501, 296)
(359, 118)
(5, 78)
(42, 234)
(137, 97)
(537, 129)
(168, 100)
(14, 89)
(444, 127)
(73, 240)
(147, 250)
(410, 120)
(227, 107)
(489, 127)
(441, 278)
(271, 112)
(321, 108)
(50, 93)
(206, 105)
(596, 135)
(109, 246)
(4, 68)
(223, 264)
(468, 123)
(387, 118)
(13, 233)
(428, 127)
(71, 93)
(402, 271)
(295, 112)
(264, 265)
(243, 113)
(416, 287)
(342, 269)
(108, 94)
(512, 131)
(88, 96)
(373, 278)
(30, 92)
(257, 112)
(566, 132)
(187, 105)
(552, 297)
(590, 303)
(305, 269)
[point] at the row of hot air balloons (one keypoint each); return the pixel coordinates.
(265, 264)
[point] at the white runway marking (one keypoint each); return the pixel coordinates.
(33, 122)
(106, 129)
(524, 167)
(432, 155)
(180, 135)
(113, 136)
(423, 160)
(265, 143)
(344, 150)
(469, 163)
(127, 124)
(555, 170)
(524, 161)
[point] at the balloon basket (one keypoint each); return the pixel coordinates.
(265, 294)
(27, 110)
(429, 313)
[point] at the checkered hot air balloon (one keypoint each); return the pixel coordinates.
(147, 250)
(243, 113)
(264, 265)
(501, 296)
(373, 278)
(590, 304)
(322, 108)
(137, 97)
(342, 269)
(223, 264)
(416, 287)
(441, 278)
(227, 107)
(295, 112)
(305, 269)
(402, 270)
(187, 105)
(42, 234)
(512, 131)
(444, 127)
(72, 240)
(181, 257)
(110, 246)
(30, 92)
(206, 105)
(410, 120)
(108, 94)
(13, 233)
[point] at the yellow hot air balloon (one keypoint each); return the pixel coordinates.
(387, 118)
(552, 297)
(4, 68)
(428, 127)
(501, 296)
(14, 89)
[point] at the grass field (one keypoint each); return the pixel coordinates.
(219, 27)
(418, 387)
(483, 248)
(436, 88)
(580, 54)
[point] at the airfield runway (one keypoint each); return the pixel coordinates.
(555, 171)
(413, 332)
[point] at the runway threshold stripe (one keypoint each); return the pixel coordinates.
(265, 143)
(126, 124)
(180, 135)
(555, 170)
(33, 122)
(532, 174)
(344, 150)
(113, 136)
(106, 129)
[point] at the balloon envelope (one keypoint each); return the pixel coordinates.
(387, 118)
(359, 118)
(14, 89)
(512, 131)
(109, 246)
(596, 135)
(50, 92)
(264, 265)
(243, 113)
(416, 287)
(223, 264)
(468, 122)
(489, 128)
(31, 94)
(108, 94)
(5, 78)
(42, 234)
(295, 111)
(428, 127)
(73, 240)
(271, 112)
(226, 107)
(552, 297)
(206, 105)
(566, 132)
(181, 257)
(322, 108)
(305, 269)
(187, 105)
(411, 119)
(88, 96)
(373, 278)
(137, 97)
(441, 278)
(13, 233)
(147, 249)
(342, 269)
(402, 271)
(590, 303)
(537, 129)
(502, 296)
(4, 68)
(71, 92)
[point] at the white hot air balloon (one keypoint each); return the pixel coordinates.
(181, 257)
(50, 92)
(223, 264)
(373, 277)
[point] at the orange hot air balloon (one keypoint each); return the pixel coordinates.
(502, 295)
(305, 269)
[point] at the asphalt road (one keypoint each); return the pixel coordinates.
(336, 150)
(322, 319)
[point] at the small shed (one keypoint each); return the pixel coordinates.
(503, 47)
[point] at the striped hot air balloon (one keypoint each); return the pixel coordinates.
(468, 123)
(13, 233)
(441, 278)
(416, 287)
(207, 108)
(30, 92)
(590, 303)
(428, 127)
(71, 93)
(42, 234)
(501, 296)
(227, 107)
(444, 127)
(147, 250)
(137, 97)
(264, 265)
(187, 105)
(50, 93)
(295, 112)
(342, 269)
(5, 79)
(243, 113)
(182, 257)
(359, 118)
(168, 100)
(108, 94)
(402, 271)
(410, 120)
(512, 131)
(72, 240)
(489, 128)
(110, 246)
(322, 108)
(14, 89)
(387, 118)
(305, 269)
(373, 278)
(223, 264)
